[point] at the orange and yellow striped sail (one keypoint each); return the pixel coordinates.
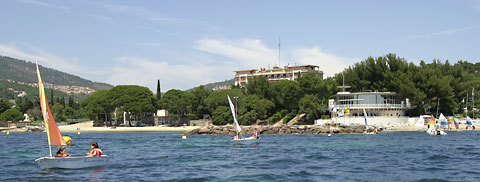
(53, 133)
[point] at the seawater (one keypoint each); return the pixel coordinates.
(164, 156)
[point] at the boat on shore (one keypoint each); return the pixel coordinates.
(55, 139)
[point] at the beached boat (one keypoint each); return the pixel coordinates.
(55, 139)
(434, 128)
(238, 137)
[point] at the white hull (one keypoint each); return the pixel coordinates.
(438, 132)
(71, 162)
(246, 140)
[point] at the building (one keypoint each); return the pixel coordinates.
(276, 73)
(388, 104)
(382, 109)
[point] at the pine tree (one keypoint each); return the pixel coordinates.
(159, 92)
(51, 98)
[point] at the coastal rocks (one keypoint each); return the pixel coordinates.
(280, 129)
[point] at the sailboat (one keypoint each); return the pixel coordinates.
(434, 128)
(366, 125)
(238, 137)
(55, 139)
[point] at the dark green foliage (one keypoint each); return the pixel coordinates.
(4, 105)
(159, 92)
(12, 114)
(424, 85)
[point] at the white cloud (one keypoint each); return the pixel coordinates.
(249, 53)
(142, 71)
(101, 17)
(32, 54)
(439, 33)
(330, 64)
(252, 53)
(44, 4)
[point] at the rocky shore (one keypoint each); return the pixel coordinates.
(283, 129)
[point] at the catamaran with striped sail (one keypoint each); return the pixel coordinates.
(55, 139)
(238, 137)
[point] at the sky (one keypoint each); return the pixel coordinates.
(187, 43)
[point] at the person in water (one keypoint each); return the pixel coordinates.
(62, 152)
(256, 134)
(95, 150)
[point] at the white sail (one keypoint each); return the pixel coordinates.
(232, 107)
(420, 122)
(442, 117)
(365, 115)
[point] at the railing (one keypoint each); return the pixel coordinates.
(372, 106)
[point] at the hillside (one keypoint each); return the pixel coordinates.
(18, 75)
(218, 85)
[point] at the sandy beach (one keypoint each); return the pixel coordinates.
(88, 127)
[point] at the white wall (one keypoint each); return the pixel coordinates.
(371, 121)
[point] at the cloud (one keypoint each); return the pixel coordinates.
(252, 53)
(101, 17)
(143, 71)
(32, 54)
(439, 33)
(44, 4)
(154, 16)
(248, 53)
(330, 64)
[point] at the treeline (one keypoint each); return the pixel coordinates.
(428, 86)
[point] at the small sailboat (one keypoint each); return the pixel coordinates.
(55, 139)
(238, 137)
(366, 125)
(433, 128)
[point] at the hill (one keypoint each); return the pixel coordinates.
(219, 85)
(18, 75)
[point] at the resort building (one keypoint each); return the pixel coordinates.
(382, 108)
(388, 104)
(276, 73)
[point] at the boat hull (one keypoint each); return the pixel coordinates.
(246, 140)
(71, 162)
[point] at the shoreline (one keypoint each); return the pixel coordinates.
(228, 129)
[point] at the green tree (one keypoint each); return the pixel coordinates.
(12, 114)
(310, 104)
(4, 105)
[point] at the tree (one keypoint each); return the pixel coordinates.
(258, 85)
(310, 104)
(177, 102)
(4, 105)
(12, 114)
(159, 92)
(199, 106)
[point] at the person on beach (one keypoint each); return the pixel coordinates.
(256, 134)
(95, 150)
(62, 152)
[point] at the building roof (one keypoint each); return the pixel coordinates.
(367, 93)
(245, 70)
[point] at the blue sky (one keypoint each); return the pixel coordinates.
(188, 43)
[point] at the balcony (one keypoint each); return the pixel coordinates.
(372, 106)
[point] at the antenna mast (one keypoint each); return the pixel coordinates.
(278, 52)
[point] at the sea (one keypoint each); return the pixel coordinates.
(165, 156)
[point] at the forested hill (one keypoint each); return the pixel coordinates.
(18, 79)
(22, 71)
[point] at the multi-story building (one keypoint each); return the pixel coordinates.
(383, 109)
(387, 104)
(276, 73)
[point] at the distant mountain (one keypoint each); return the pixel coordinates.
(18, 75)
(219, 85)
